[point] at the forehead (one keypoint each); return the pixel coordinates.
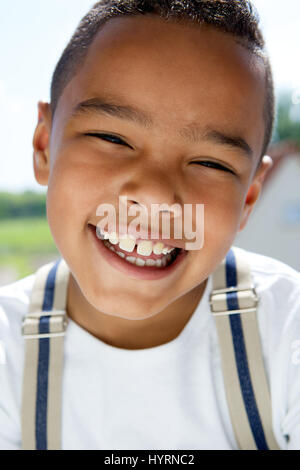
(179, 73)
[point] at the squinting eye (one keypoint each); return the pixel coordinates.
(217, 166)
(109, 138)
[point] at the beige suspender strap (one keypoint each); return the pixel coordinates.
(234, 303)
(43, 330)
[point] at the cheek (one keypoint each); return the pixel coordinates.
(223, 201)
(72, 200)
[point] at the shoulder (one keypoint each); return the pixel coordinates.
(14, 301)
(278, 288)
(20, 289)
(272, 276)
(267, 264)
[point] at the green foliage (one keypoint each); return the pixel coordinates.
(27, 204)
(25, 236)
(25, 244)
(287, 128)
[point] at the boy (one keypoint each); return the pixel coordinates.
(161, 103)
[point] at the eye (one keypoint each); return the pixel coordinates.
(215, 165)
(108, 138)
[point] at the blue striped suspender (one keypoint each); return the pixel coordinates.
(234, 303)
(43, 330)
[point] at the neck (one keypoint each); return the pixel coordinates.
(133, 334)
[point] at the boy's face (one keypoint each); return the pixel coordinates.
(180, 76)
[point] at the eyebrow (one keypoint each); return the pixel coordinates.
(191, 132)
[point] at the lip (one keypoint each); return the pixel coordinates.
(137, 272)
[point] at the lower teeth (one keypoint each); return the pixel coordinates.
(160, 263)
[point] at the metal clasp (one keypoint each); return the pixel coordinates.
(31, 323)
(252, 292)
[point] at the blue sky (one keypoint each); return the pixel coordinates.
(33, 34)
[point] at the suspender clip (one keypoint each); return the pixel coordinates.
(53, 324)
(248, 299)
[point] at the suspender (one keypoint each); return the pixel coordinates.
(233, 303)
(43, 329)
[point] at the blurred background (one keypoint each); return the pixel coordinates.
(33, 35)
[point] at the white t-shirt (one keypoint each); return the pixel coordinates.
(167, 397)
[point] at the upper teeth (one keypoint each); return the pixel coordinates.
(127, 243)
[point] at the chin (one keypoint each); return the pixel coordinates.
(133, 311)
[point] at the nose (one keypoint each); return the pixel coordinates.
(150, 194)
(152, 189)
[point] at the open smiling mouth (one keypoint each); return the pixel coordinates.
(146, 258)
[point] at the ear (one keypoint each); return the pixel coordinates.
(41, 144)
(255, 189)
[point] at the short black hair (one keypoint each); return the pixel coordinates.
(236, 17)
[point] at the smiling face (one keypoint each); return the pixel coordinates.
(182, 113)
